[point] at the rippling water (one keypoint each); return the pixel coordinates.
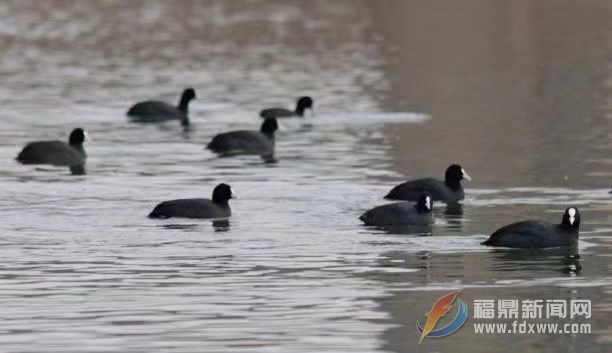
(398, 95)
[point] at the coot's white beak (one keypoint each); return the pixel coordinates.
(309, 112)
(466, 176)
(428, 202)
(572, 216)
(233, 194)
(86, 136)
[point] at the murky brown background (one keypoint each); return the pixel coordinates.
(515, 91)
(521, 85)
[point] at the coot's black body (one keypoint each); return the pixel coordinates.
(401, 213)
(538, 234)
(218, 207)
(56, 153)
(449, 190)
(156, 112)
(301, 105)
(246, 141)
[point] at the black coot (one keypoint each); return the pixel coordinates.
(449, 190)
(218, 207)
(57, 153)
(538, 234)
(246, 142)
(302, 104)
(401, 213)
(155, 111)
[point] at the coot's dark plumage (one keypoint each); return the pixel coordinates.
(301, 105)
(218, 207)
(57, 153)
(401, 213)
(246, 142)
(449, 190)
(538, 234)
(155, 111)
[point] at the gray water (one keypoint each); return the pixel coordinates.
(518, 93)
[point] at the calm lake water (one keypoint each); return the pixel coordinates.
(517, 92)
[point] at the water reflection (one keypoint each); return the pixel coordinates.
(453, 216)
(482, 269)
(564, 260)
(78, 170)
(424, 230)
(182, 226)
(218, 225)
(221, 225)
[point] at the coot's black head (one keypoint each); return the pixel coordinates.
(571, 218)
(302, 104)
(222, 193)
(454, 174)
(425, 203)
(186, 97)
(269, 126)
(77, 137)
(188, 94)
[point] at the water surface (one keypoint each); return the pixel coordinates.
(515, 92)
